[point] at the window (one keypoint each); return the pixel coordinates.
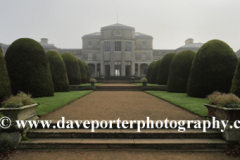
(98, 43)
(117, 63)
(117, 46)
(144, 44)
(145, 70)
(128, 46)
(89, 43)
(106, 63)
(90, 56)
(107, 46)
(144, 56)
(128, 63)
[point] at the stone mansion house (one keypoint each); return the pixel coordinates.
(117, 50)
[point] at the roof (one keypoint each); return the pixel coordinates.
(191, 46)
(118, 26)
(141, 35)
(238, 53)
(92, 35)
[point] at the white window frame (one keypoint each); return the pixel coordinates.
(118, 46)
(144, 44)
(107, 46)
(128, 47)
(89, 43)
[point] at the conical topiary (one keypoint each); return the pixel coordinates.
(5, 88)
(149, 71)
(28, 68)
(154, 72)
(58, 72)
(179, 71)
(163, 71)
(212, 69)
(73, 70)
(235, 88)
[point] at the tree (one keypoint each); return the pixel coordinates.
(179, 71)
(28, 68)
(58, 71)
(5, 88)
(73, 70)
(212, 69)
(163, 71)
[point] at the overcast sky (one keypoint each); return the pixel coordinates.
(170, 22)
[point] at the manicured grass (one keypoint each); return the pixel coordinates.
(195, 105)
(148, 84)
(48, 104)
(88, 84)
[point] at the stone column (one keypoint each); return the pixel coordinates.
(133, 58)
(95, 69)
(102, 67)
(123, 56)
(112, 48)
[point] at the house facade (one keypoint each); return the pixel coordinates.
(117, 50)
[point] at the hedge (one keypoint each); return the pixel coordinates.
(235, 88)
(149, 71)
(73, 70)
(154, 72)
(163, 71)
(28, 68)
(179, 71)
(5, 88)
(58, 71)
(212, 69)
(83, 72)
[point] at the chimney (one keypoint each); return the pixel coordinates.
(189, 41)
(44, 40)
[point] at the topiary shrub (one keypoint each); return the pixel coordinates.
(28, 68)
(155, 71)
(58, 72)
(235, 88)
(149, 71)
(179, 71)
(163, 71)
(82, 71)
(73, 70)
(5, 88)
(212, 69)
(88, 73)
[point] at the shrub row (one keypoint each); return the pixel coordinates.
(31, 70)
(213, 68)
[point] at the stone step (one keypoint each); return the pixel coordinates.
(118, 88)
(162, 144)
(122, 133)
(114, 125)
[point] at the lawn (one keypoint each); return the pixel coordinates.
(88, 84)
(195, 105)
(148, 84)
(48, 104)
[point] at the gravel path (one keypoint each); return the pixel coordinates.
(126, 105)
